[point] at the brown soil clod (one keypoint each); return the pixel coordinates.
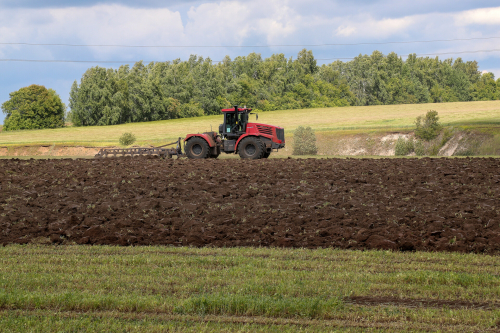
(386, 204)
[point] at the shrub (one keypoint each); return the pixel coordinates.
(447, 135)
(434, 149)
(127, 139)
(428, 127)
(304, 141)
(419, 148)
(404, 147)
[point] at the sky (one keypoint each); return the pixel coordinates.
(243, 25)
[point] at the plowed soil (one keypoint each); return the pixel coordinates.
(397, 204)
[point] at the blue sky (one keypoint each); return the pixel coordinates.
(219, 23)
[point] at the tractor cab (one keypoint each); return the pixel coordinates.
(235, 122)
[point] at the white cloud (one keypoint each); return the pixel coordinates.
(231, 22)
(345, 31)
(100, 24)
(364, 25)
(487, 16)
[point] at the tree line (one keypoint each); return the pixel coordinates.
(198, 86)
(177, 89)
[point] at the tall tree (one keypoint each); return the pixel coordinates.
(33, 107)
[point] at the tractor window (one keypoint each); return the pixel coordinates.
(243, 120)
(232, 126)
(230, 122)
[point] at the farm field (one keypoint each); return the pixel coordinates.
(326, 120)
(277, 245)
(181, 289)
(391, 204)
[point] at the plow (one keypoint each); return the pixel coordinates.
(160, 151)
(236, 136)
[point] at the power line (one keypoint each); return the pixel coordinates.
(426, 54)
(134, 61)
(252, 46)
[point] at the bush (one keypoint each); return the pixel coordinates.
(33, 107)
(127, 139)
(304, 141)
(429, 127)
(404, 147)
(419, 148)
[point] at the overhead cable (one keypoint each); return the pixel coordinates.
(134, 61)
(250, 46)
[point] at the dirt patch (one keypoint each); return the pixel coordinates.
(391, 204)
(382, 144)
(451, 146)
(49, 151)
(413, 303)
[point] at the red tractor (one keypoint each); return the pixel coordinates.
(236, 135)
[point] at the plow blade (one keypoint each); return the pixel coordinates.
(154, 151)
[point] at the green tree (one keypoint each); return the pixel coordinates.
(485, 88)
(33, 107)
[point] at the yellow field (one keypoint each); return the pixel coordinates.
(360, 118)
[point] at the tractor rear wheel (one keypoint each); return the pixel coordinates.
(197, 148)
(251, 147)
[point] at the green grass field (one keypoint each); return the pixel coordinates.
(358, 119)
(114, 289)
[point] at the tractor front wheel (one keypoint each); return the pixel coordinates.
(251, 147)
(197, 148)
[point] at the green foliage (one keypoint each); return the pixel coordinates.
(304, 141)
(191, 110)
(127, 139)
(147, 92)
(404, 147)
(419, 148)
(33, 107)
(428, 127)
(434, 149)
(486, 89)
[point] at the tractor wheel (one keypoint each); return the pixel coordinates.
(197, 148)
(251, 147)
(216, 154)
(266, 154)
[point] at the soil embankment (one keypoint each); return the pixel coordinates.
(398, 204)
(357, 144)
(48, 151)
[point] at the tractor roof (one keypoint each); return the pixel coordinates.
(239, 110)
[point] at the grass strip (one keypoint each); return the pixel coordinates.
(277, 284)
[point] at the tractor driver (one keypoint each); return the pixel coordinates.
(235, 123)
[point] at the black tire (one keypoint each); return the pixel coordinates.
(216, 154)
(197, 148)
(266, 154)
(251, 147)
